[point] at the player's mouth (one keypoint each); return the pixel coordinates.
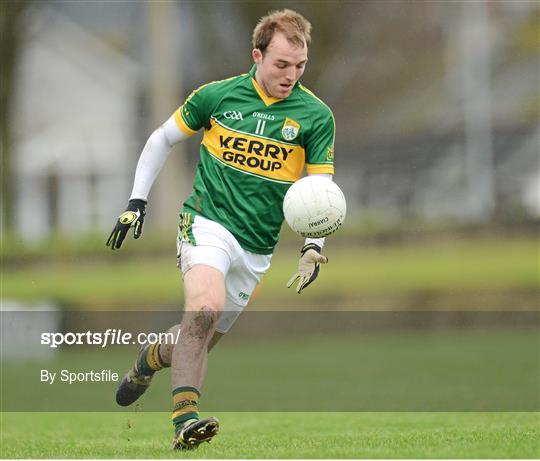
(285, 87)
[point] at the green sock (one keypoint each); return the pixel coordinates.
(185, 401)
(150, 361)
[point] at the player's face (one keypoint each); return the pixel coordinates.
(280, 67)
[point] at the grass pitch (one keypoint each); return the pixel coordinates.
(276, 435)
(132, 433)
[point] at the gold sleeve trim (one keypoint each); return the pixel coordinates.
(182, 124)
(320, 169)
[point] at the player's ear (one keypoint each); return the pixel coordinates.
(257, 55)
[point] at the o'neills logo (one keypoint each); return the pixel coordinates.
(253, 153)
(263, 116)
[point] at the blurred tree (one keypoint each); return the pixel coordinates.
(11, 34)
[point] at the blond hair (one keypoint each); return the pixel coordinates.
(296, 28)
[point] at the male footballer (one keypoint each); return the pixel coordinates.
(260, 130)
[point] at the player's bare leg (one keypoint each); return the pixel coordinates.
(166, 348)
(204, 289)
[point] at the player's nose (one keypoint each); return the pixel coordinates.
(290, 76)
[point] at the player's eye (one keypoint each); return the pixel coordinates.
(281, 66)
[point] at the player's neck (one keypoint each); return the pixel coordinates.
(261, 84)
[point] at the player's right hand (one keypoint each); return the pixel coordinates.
(132, 217)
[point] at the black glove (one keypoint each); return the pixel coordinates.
(132, 217)
(308, 266)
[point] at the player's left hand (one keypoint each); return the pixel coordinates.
(308, 266)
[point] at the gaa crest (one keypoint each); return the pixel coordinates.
(290, 129)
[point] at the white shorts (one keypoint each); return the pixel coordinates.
(218, 248)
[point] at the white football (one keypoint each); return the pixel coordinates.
(314, 207)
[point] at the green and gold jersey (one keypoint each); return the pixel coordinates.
(254, 147)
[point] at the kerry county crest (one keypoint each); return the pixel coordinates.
(290, 129)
